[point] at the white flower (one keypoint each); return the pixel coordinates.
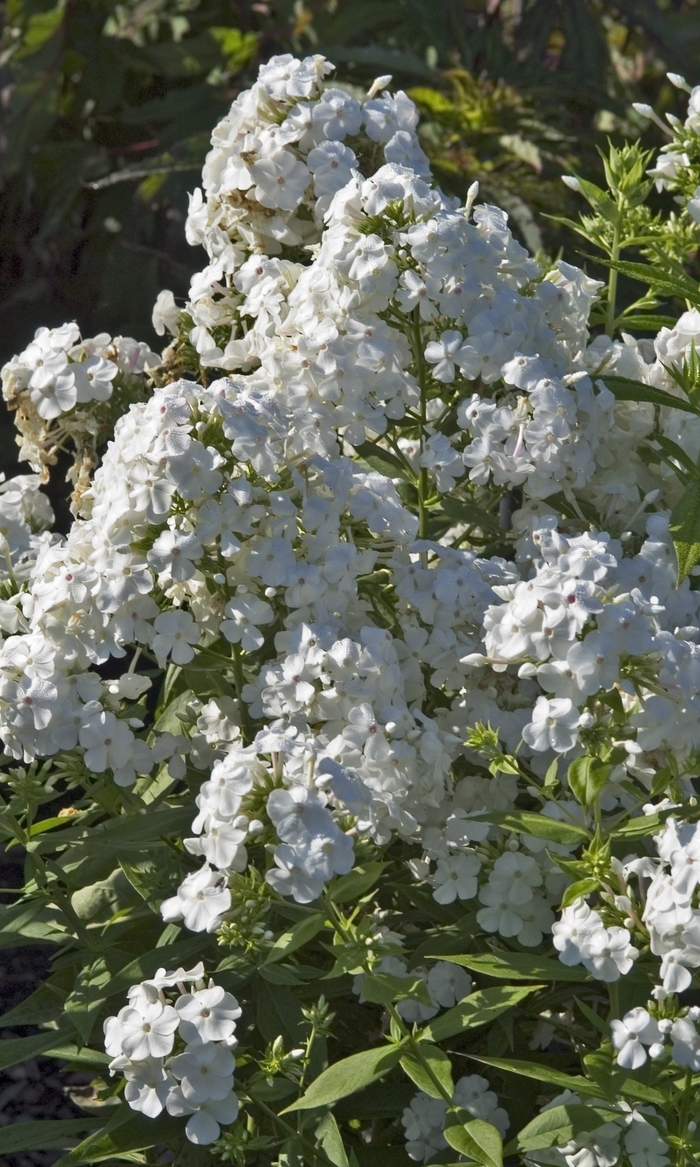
(147, 1086)
(443, 461)
(146, 1030)
(107, 742)
(207, 1014)
(280, 180)
(644, 1144)
(205, 1071)
(443, 353)
(448, 983)
(298, 813)
(201, 900)
(207, 1118)
(609, 953)
(630, 1035)
(93, 379)
(337, 114)
(423, 1122)
(473, 1093)
(290, 877)
(166, 314)
(455, 878)
(176, 632)
(244, 613)
(331, 164)
(554, 725)
(385, 115)
(571, 933)
(685, 1050)
(418, 293)
(515, 875)
(174, 551)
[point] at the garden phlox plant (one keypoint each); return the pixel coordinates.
(368, 673)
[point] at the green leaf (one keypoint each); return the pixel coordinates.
(476, 1138)
(542, 1074)
(278, 1012)
(279, 974)
(587, 777)
(355, 883)
(125, 1132)
(675, 284)
(238, 47)
(672, 454)
(635, 828)
(21, 1049)
(439, 1064)
(559, 1125)
(382, 989)
(348, 1076)
(81, 1056)
(44, 1004)
(595, 1019)
(540, 826)
(145, 966)
(296, 938)
(477, 1009)
(519, 966)
(469, 513)
(652, 322)
(384, 461)
(87, 998)
(600, 200)
(330, 1139)
(28, 919)
(625, 389)
(579, 891)
(684, 526)
(50, 1135)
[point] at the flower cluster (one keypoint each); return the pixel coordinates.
(623, 1134)
(177, 1054)
(402, 600)
(424, 1120)
(56, 387)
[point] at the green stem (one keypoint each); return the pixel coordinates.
(423, 486)
(612, 277)
(614, 995)
(239, 682)
(418, 1054)
(316, 1152)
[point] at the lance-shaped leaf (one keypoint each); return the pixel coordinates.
(433, 1066)
(476, 1138)
(21, 1049)
(626, 389)
(296, 937)
(587, 777)
(542, 1073)
(559, 1125)
(477, 1009)
(355, 883)
(684, 527)
(329, 1137)
(49, 1135)
(519, 966)
(540, 826)
(345, 1077)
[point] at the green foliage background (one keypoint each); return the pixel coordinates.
(107, 109)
